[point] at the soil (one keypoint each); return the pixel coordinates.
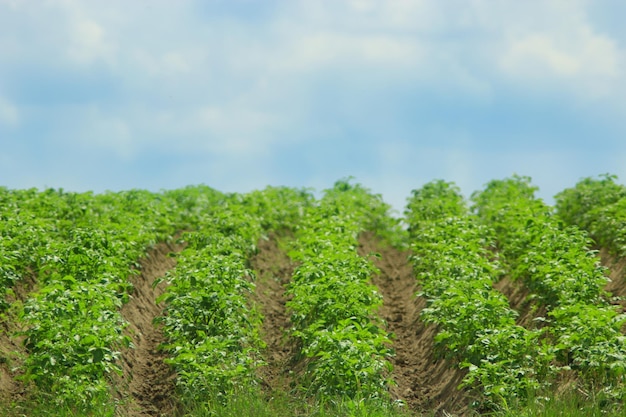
(424, 382)
(520, 300)
(12, 350)
(148, 383)
(617, 274)
(274, 270)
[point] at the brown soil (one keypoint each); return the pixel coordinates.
(520, 300)
(426, 383)
(148, 383)
(274, 270)
(617, 274)
(12, 350)
(10, 389)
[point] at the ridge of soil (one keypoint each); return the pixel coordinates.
(148, 383)
(425, 382)
(617, 274)
(520, 300)
(12, 349)
(274, 269)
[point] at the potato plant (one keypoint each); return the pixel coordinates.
(556, 263)
(82, 249)
(476, 326)
(599, 207)
(333, 305)
(212, 332)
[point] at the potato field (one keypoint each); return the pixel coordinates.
(280, 302)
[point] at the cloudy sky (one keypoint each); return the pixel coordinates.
(240, 94)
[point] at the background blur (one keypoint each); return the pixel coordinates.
(242, 94)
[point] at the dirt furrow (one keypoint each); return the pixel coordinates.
(521, 300)
(617, 273)
(274, 270)
(425, 382)
(150, 382)
(12, 351)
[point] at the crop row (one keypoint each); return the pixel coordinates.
(212, 333)
(556, 264)
(332, 303)
(81, 249)
(453, 261)
(599, 207)
(212, 329)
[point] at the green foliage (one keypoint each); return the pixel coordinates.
(277, 208)
(575, 204)
(434, 201)
(333, 304)
(82, 248)
(368, 209)
(213, 334)
(598, 206)
(556, 264)
(452, 257)
(498, 205)
(76, 331)
(191, 204)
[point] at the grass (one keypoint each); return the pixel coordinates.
(570, 404)
(256, 404)
(44, 407)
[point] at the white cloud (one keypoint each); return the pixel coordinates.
(221, 85)
(88, 43)
(536, 56)
(164, 66)
(236, 129)
(95, 128)
(9, 114)
(333, 50)
(582, 60)
(176, 62)
(359, 16)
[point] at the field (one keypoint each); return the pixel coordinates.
(275, 302)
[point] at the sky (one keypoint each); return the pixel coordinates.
(241, 94)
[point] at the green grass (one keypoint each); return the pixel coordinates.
(571, 404)
(257, 404)
(254, 404)
(45, 407)
(563, 409)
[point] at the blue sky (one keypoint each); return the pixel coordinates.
(240, 94)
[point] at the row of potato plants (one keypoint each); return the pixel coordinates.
(213, 339)
(81, 248)
(453, 259)
(597, 205)
(332, 302)
(556, 264)
(23, 238)
(212, 329)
